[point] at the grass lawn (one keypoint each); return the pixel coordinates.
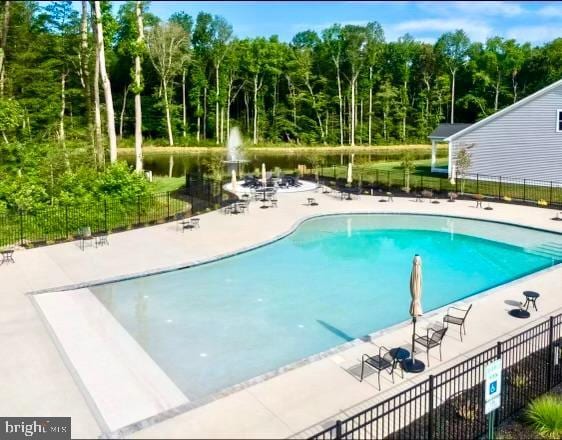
(164, 184)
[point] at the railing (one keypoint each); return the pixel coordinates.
(450, 404)
(203, 193)
(528, 191)
(61, 223)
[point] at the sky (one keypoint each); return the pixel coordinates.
(536, 22)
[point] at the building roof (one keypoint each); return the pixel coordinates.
(445, 130)
(502, 112)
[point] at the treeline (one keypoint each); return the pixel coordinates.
(92, 77)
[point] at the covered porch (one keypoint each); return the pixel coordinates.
(439, 135)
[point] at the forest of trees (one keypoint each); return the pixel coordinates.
(76, 83)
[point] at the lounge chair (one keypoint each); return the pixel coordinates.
(383, 361)
(457, 316)
(433, 338)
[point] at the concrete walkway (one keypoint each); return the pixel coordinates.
(37, 382)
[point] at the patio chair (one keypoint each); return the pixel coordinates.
(383, 361)
(457, 316)
(432, 339)
(85, 234)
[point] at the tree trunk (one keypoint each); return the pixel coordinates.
(138, 86)
(497, 97)
(217, 104)
(370, 124)
(198, 136)
(340, 99)
(100, 154)
(122, 115)
(454, 72)
(222, 125)
(247, 104)
(255, 140)
(61, 114)
(168, 117)
(514, 85)
(352, 110)
(183, 102)
(85, 67)
(3, 42)
(110, 114)
(205, 112)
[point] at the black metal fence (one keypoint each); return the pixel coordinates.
(61, 223)
(529, 191)
(204, 193)
(450, 404)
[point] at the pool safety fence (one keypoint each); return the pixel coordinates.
(504, 189)
(450, 404)
(63, 223)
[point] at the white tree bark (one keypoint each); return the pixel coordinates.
(454, 74)
(184, 104)
(122, 115)
(168, 117)
(110, 113)
(62, 110)
(370, 124)
(3, 42)
(138, 106)
(217, 104)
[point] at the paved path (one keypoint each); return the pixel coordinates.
(35, 380)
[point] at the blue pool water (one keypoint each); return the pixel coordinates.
(334, 279)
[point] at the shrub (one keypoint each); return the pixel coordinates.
(545, 415)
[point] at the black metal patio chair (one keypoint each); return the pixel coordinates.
(457, 316)
(432, 339)
(382, 361)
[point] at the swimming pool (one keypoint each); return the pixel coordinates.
(334, 279)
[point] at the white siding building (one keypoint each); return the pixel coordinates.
(523, 140)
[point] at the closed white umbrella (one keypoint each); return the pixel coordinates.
(233, 181)
(349, 172)
(263, 176)
(453, 172)
(413, 365)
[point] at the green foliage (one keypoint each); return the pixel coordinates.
(545, 415)
(11, 115)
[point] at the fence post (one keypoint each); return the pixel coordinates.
(430, 422)
(21, 227)
(66, 221)
(168, 204)
(105, 215)
(550, 197)
(388, 179)
(500, 189)
(334, 172)
(338, 429)
(524, 190)
(550, 351)
(477, 184)
(499, 356)
(138, 210)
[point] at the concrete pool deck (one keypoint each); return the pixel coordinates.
(36, 380)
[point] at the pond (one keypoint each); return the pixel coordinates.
(159, 163)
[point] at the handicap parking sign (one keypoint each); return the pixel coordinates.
(492, 390)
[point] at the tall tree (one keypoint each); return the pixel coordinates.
(355, 42)
(165, 49)
(453, 48)
(333, 42)
(100, 60)
(3, 41)
(138, 86)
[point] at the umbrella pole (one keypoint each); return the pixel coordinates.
(414, 319)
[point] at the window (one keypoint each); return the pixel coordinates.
(559, 121)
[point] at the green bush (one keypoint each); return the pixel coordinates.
(545, 415)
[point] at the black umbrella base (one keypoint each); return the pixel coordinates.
(519, 313)
(413, 366)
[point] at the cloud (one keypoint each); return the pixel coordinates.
(534, 34)
(468, 8)
(550, 11)
(476, 30)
